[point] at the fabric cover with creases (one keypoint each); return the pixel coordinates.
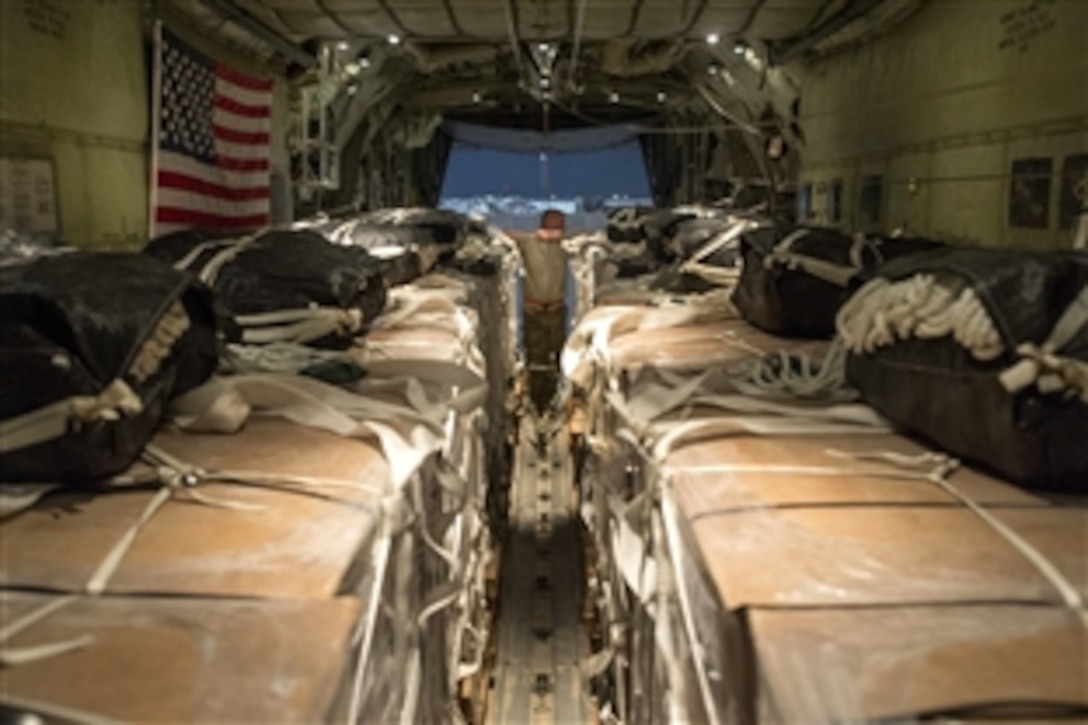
(936, 388)
(788, 300)
(442, 225)
(72, 325)
(282, 270)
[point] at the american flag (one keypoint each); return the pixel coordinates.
(212, 144)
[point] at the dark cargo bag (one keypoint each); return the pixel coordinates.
(794, 280)
(282, 285)
(92, 346)
(624, 225)
(404, 253)
(436, 226)
(985, 353)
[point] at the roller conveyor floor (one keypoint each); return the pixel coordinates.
(541, 635)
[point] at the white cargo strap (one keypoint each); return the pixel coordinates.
(676, 551)
(407, 433)
(12, 657)
(588, 345)
(650, 400)
(1042, 366)
(711, 273)
(300, 325)
(281, 357)
(228, 250)
(836, 274)
(794, 375)
(1069, 592)
(410, 301)
(178, 479)
(53, 420)
(17, 497)
(53, 712)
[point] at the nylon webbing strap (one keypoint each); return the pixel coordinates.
(1041, 365)
(52, 421)
(300, 325)
(836, 274)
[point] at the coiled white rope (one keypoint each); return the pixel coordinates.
(924, 307)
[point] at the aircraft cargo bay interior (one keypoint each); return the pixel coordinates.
(543, 361)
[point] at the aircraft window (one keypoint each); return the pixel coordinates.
(871, 201)
(834, 201)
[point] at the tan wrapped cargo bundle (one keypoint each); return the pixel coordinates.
(323, 562)
(766, 556)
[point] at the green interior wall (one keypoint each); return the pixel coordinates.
(941, 107)
(75, 88)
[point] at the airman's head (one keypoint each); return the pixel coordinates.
(553, 226)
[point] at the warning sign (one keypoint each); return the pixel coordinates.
(28, 196)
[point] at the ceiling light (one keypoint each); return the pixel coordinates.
(614, 97)
(393, 39)
(475, 96)
(352, 69)
(661, 96)
(739, 47)
(712, 70)
(364, 62)
(712, 38)
(342, 45)
(545, 82)
(351, 89)
(543, 47)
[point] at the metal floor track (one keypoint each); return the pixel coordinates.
(541, 636)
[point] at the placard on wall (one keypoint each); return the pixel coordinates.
(28, 196)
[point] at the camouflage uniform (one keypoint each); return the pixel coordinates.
(545, 314)
(545, 333)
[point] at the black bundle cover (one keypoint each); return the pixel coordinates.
(938, 389)
(279, 270)
(794, 279)
(78, 323)
(434, 226)
(660, 226)
(400, 250)
(624, 225)
(691, 236)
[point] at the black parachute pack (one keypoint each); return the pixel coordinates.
(403, 253)
(706, 251)
(794, 279)
(92, 347)
(660, 226)
(985, 353)
(624, 225)
(282, 285)
(434, 226)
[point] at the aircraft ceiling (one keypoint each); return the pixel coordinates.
(547, 64)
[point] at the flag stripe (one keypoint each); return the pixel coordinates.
(242, 95)
(240, 137)
(243, 165)
(255, 175)
(191, 183)
(240, 151)
(243, 80)
(188, 219)
(225, 103)
(182, 199)
(226, 119)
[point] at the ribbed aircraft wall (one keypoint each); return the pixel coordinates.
(958, 124)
